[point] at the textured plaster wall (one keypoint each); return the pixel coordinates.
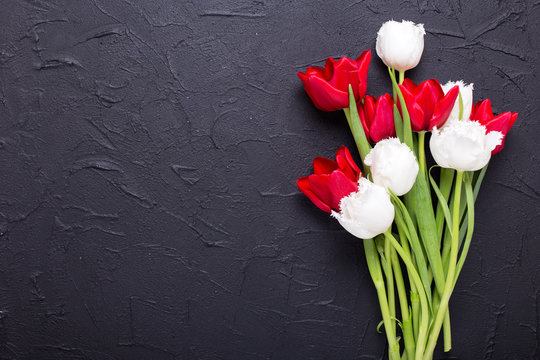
(148, 156)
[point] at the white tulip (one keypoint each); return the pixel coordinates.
(393, 165)
(367, 212)
(466, 92)
(400, 44)
(463, 145)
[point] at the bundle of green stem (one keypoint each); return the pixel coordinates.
(417, 262)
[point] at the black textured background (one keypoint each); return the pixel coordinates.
(149, 152)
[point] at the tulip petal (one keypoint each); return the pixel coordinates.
(416, 113)
(363, 66)
(323, 165)
(319, 186)
(347, 164)
(409, 85)
(444, 108)
(363, 119)
(345, 74)
(324, 95)
(369, 108)
(482, 111)
(383, 125)
(501, 123)
(427, 94)
(303, 185)
(340, 186)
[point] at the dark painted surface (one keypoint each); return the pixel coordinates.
(149, 152)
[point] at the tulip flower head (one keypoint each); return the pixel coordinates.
(463, 145)
(367, 212)
(466, 92)
(393, 165)
(427, 103)
(331, 181)
(328, 87)
(484, 115)
(377, 117)
(400, 44)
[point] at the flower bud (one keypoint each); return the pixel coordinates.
(393, 165)
(466, 92)
(400, 44)
(367, 212)
(463, 145)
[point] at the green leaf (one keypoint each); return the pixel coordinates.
(415, 244)
(407, 132)
(442, 200)
(470, 226)
(446, 180)
(357, 129)
(398, 122)
(419, 198)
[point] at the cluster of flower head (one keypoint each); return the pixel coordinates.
(463, 136)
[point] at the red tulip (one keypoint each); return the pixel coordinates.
(331, 181)
(482, 113)
(427, 104)
(328, 87)
(377, 117)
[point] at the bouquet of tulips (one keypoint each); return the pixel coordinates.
(416, 223)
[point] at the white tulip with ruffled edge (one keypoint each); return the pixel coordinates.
(463, 145)
(367, 212)
(466, 91)
(392, 165)
(400, 44)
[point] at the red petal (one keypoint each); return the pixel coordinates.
(345, 74)
(416, 113)
(444, 108)
(363, 66)
(303, 185)
(340, 186)
(409, 85)
(427, 94)
(325, 96)
(482, 111)
(383, 125)
(369, 109)
(315, 71)
(329, 68)
(347, 164)
(501, 123)
(361, 113)
(323, 165)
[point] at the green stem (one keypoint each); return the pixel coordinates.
(403, 217)
(423, 299)
(447, 332)
(449, 285)
(445, 185)
(390, 282)
(374, 266)
(470, 225)
(421, 152)
(401, 76)
(408, 335)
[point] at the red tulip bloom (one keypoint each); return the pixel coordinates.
(427, 104)
(377, 116)
(328, 87)
(482, 113)
(331, 181)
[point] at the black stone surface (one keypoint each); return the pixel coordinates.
(149, 152)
